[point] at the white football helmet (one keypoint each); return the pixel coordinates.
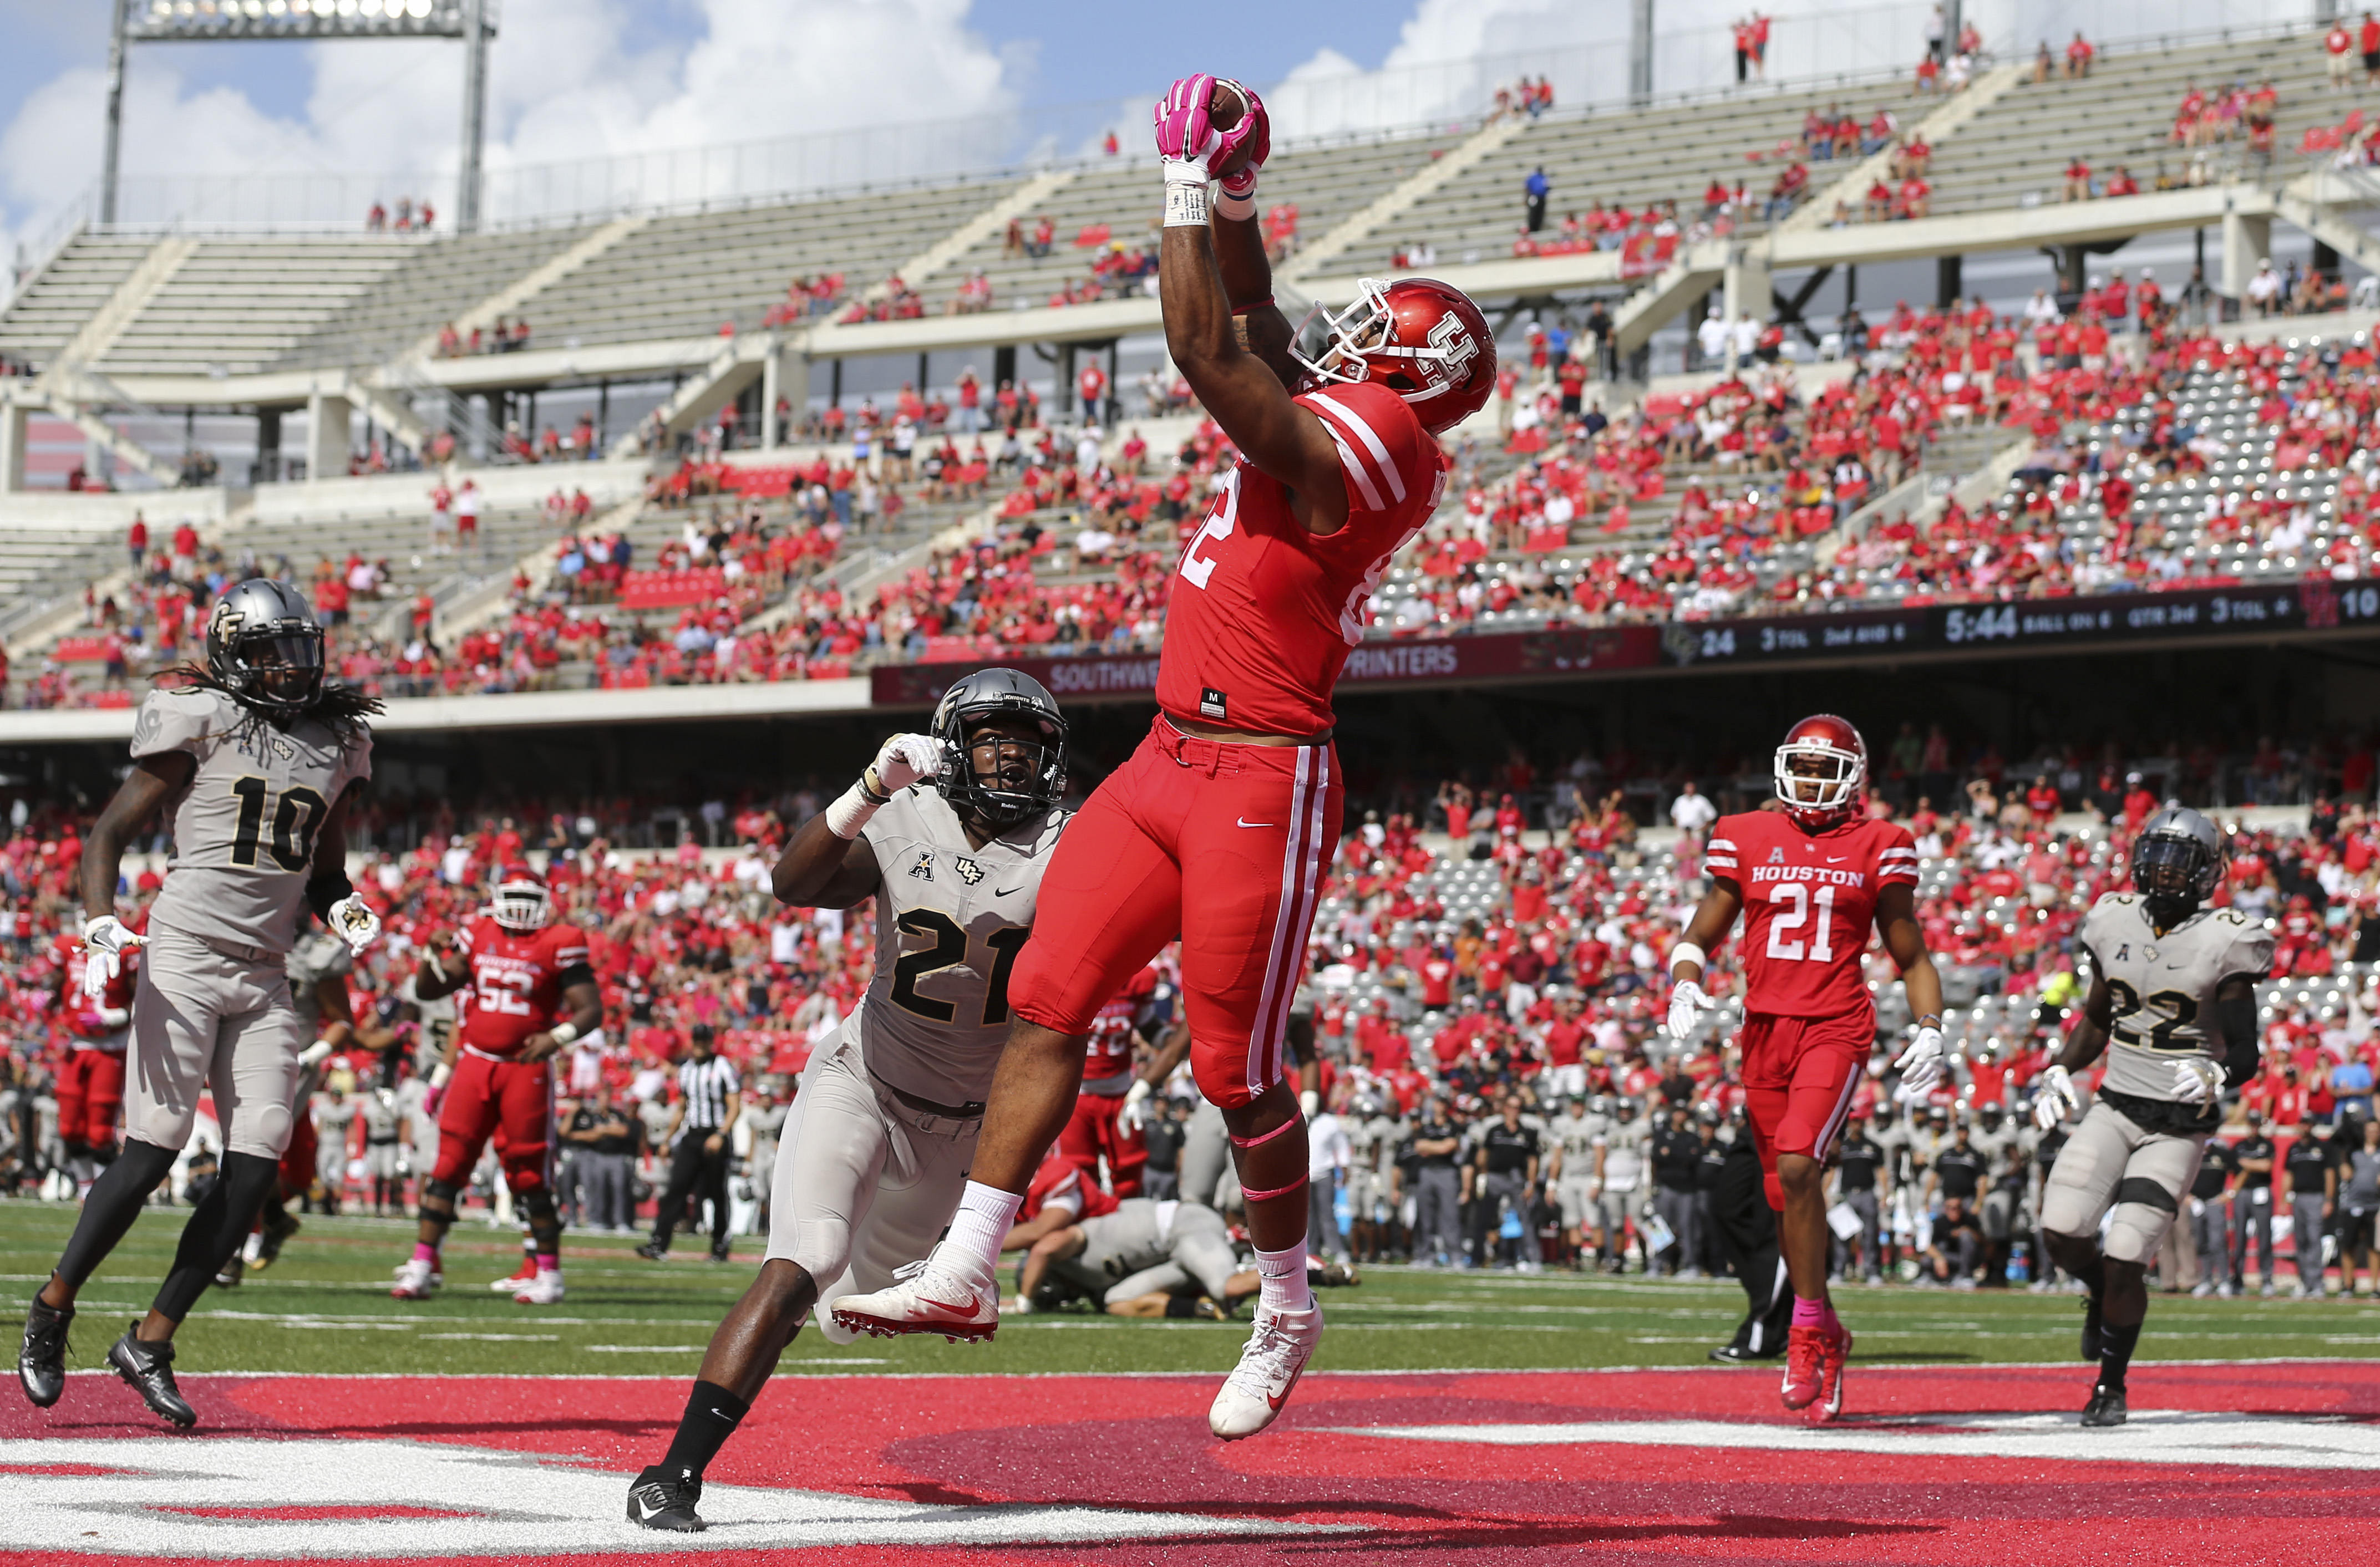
(522, 902)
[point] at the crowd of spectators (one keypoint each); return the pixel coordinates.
(410, 217)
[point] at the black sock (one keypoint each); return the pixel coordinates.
(2116, 1346)
(2093, 1278)
(218, 1227)
(711, 1415)
(115, 1202)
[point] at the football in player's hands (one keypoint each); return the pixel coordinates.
(1242, 129)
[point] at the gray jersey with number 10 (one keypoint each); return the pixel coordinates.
(950, 920)
(2162, 986)
(243, 829)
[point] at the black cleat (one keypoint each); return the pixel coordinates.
(41, 1361)
(2090, 1338)
(2105, 1408)
(278, 1228)
(664, 1498)
(1736, 1354)
(719, 1254)
(652, 1253)
(147, 1369)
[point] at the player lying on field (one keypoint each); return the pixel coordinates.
(1811, 876)
(1217, 831)
(1132, 1255)
(950, 832)
(2172, 1004)
(255, 762)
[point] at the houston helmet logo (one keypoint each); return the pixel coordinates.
(1456, 346)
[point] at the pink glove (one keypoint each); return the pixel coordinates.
(1254, 131)
(1183, 133)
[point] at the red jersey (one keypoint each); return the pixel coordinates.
(1059, 1183)
(1809, 903)
(98, 1024)
(1110, 1054)
(1266, 613)
(516, 981)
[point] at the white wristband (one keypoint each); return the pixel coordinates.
(1239, 208)
(1185, 206)
(564, 1033)
(1687, 952)
(439, 1074)
(849, 813)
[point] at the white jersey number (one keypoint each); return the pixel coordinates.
(1221, 520)
(1820, 947)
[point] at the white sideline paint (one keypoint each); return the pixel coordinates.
(514, 1504)
(2192, 1437)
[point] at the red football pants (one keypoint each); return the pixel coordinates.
(511, 1100)
(1220, 844)
(91, 1095)
(297, 1159)
(1800, 1076)
(1094, 1134)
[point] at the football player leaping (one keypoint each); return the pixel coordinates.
(1219, 829)
(1810, 880)
(2173, 1004)
(528, 992)
(950, 832)
(254, 760)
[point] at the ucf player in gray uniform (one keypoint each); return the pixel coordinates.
(950, 832)
(2173, 1004)
(254, 759)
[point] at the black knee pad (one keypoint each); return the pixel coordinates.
(539, 1204)
(440, 1193)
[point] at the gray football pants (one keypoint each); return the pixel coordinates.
(2136, 1179)
(1124, 1256)
(205, 1021)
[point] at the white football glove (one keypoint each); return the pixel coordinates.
(1920, 1066)
(1687, 1004)
(2057, 1099)
(905, 759)
(352, 920)
(1132, 1117)
(317, 1051)
(2197, 1082)
(105, 941)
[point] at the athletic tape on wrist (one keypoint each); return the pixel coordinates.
(1185, 205)
(1251, 1194)
(1239, 208)
(564, 1033)
(1687, 952)
(850, 811)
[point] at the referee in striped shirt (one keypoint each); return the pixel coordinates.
(708, 1104)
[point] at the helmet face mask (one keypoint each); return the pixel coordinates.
(1004, 748)
(1423, 340)
(1820, 769)
(522, 904)
(265, 647)
(2177, 862)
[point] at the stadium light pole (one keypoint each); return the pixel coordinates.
(252, 21)
(1640, 53)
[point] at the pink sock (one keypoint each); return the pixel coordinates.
(547, 1262)
(1809, 1313)
(424, 1252)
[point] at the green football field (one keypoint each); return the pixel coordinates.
(325, 1308)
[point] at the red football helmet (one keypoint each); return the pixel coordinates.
(1825, 787)
(522, 902)
(1424, 340)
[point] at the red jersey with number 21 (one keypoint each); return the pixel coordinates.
(1263, 614)
(516, 981)
(1809, 906)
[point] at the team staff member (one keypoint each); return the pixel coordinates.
(1504, 1175)
(1857, 1160)
(1437, 1186)
(2210, 1221)
(2313, 1165)
(1677, 1151)
(606, 1141)
(700, 1123)
(2251, 1203)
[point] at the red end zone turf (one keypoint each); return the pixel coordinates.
(2221, 1465)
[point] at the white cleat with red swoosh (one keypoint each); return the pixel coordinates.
(1268, 1368)
(928, 1298)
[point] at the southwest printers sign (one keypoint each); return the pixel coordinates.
(1438, 660)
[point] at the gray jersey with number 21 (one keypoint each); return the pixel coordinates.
(243, 829)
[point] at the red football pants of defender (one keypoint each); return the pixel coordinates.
(298, 1160)
(491, 1095)
(1094, 1134)
(1221, 844)
(91, 1095)
(1799, 1076)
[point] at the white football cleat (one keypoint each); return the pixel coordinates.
(930, 1297)
(518, 1279)
(437, 1272)
(1268, 1368)
(416, 1280)
(543, 1290)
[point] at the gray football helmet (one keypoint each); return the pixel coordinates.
(1006, 797)
(265, 647)
(2177, 862)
